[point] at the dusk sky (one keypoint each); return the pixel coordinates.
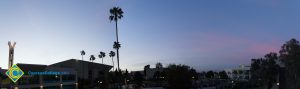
(204, 34)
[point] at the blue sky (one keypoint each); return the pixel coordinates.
(205, 34)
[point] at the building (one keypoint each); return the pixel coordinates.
(61, 75)
(148, 72)
(57, 81)
(240, 73)
(85, 69)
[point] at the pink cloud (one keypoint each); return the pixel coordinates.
(264, 48)
(220, 42)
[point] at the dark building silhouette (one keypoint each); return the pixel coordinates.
(74, 69)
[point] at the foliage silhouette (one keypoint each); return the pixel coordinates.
(102, 55)
(179, 76)
(223, 75)
(92, 58)
(210, 74)
(290, 56)
(264, 70)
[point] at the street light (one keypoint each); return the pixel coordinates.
(61, 86)
(76, 85)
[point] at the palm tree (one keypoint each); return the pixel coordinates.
(82, 53)
(112, 55)
(92, 58)
(116, 46)
(116, 13)
(101, 55)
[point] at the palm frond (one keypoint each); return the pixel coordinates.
(115, 13)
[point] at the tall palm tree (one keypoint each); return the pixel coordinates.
(116, 13)
(112, 55)
(102, 55)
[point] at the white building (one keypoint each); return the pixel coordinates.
(240, 73)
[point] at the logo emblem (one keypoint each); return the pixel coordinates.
(14, 73)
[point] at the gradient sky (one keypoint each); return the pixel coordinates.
(204, 34)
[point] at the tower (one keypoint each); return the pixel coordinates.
(11, 54)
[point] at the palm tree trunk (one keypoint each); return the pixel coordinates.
(112, 60)
(82, 57)
(118, 59)
(117, 48)
(82, 65)
(102, 60)
(117, 34)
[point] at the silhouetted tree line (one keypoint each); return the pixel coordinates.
(264, 71)
(181, 76)
(175, 76)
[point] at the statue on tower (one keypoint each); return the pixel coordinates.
(11, 54)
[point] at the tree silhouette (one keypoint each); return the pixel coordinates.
(290, 56)
(138, 79)
(179, 76)
(256, 70)
(223, 75)
(147, 67)
(102, 55)
(116, 46)
(112, 55)
(92, 58)
(158, 65)
(210, 74)
(82, 54)
(264, 70)
(272, 69)
(116, 13)
(194, 74)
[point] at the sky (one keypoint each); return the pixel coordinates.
(204, 34)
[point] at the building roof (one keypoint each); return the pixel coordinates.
(73, 63)
(68, 65)
(31, 67)
(41, 68)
